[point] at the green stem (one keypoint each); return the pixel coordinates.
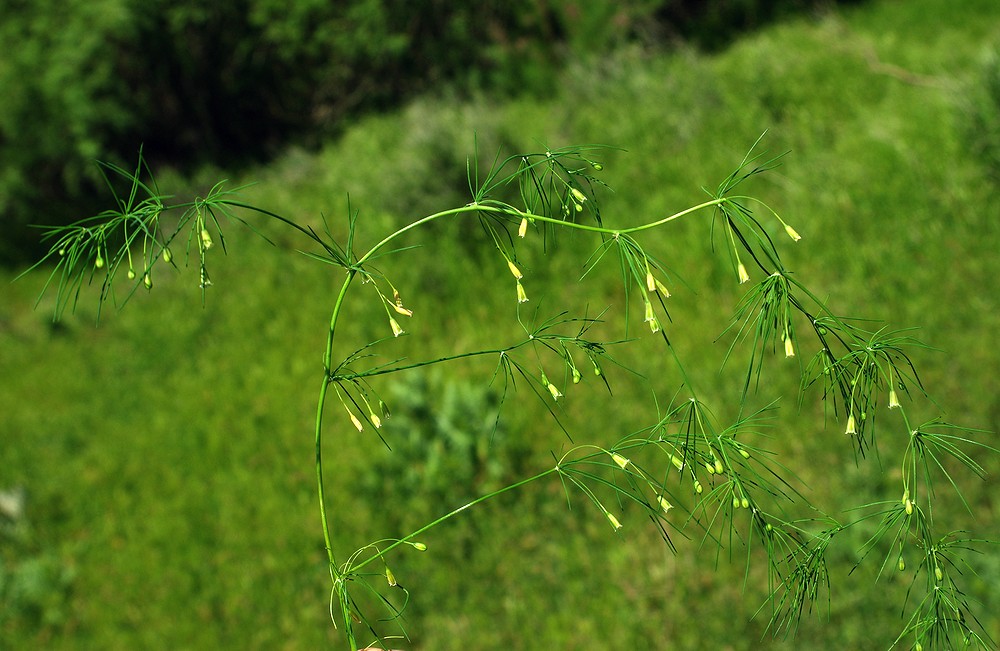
(451, 514)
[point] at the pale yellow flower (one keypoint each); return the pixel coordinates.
(522, 296)
(742, 272)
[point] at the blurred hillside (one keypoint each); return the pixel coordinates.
(232, 82)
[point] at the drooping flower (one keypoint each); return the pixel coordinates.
(742, 273)
(522, 296)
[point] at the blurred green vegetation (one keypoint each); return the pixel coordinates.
(237, 81)
(166, 456)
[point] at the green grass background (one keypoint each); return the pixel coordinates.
(167, 454)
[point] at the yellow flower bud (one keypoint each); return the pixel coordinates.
(893, 399)
(909, 507)
(147, 280)
(579, 196)
(419, 546)
(709, 467)
(131, 274)
(396, 329)
(938, 574)
(736, 502)
(576, 376)
(389, 577)
(522, 230)
(376, 421)
(792, 234)
(402, 310)
(718, 467)
(620, 460)
(745, 503)
(556, 393)
(167, 255)
(678, 463)
(514, 270)
(650, 281)
(613, 520)
(99, 262)
(664, 504)
(789, 347)
(697, 487)
(662, 289)
(744, 453)
(901, 564)
(356, 421)
(206, 238)
(851, 429)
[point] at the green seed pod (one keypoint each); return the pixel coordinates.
(597, 166)
(99, 262)
(131, 274)
(768, 527)
(823, 331)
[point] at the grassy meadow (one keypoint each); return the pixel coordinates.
(166, 454)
